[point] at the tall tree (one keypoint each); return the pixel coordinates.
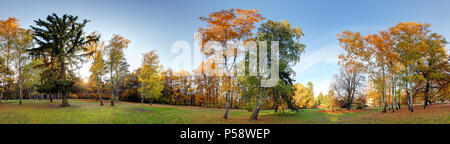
(114, 52)
(23, 42)
(61, 43)
(2, 72)
(290, 50)
(433, 67)
(322, 101)
(98, 64)
(150, 78)
(303, 96)
(374, 55)
(224, 26)
(408, 37)
(9, 30)
(347, 85)
(32, 76)
(121, 73)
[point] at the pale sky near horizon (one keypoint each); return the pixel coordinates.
(156, 25)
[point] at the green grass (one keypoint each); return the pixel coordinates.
(85, 112)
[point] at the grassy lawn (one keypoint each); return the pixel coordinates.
(88, 112)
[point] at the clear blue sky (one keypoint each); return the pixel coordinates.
(157, 24)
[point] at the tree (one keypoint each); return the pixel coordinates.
(303, 96)
(150, 78)
(347, 85)
(290, 50)
(121, 74)
(9, 32)
(23, 42)
(433, 67)
(2, 72)
(169, 89)
(61, 43)
(408, 37)
(207, 84)
(114, 52)
(375, 54)
(98, 64)
(331, 97)
(225, 26)
(322, 101)
(32, 76)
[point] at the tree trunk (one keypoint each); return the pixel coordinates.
(275, 107)
(412, 103)
(112, 89)
(116, 87)
(99, 94)
(142, 103)
(64, 95)
(426, 94)
(149, 100)
(65, 101)
(51, 97)
(20, 95)
(407, 100)
(1, 97)
(225, 116)
(383, 95)
(29, 93)
(256, 110)
(392, 94)
(257, 106)
(231, 100)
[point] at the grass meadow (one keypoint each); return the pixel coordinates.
(90, 112)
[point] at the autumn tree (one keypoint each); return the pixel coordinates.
(23, 42)
(225, 26)
(3, 71)
(150, 78)
(332, 100)
(9, 32)
(322, 101)
(14, 41)
(413, 43)
(372, 54)
(207, 84)
(303, 96)
(168, 80)
(32, 76)
(121, 74)
(98, 64)
(130, 86)
(433, 68)
(114, 53)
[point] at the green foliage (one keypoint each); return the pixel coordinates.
(290, 47)
(61, 44)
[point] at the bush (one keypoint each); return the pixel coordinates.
(359, 105)
(360, 102)
(249, 107)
